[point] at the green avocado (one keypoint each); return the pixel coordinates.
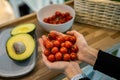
(20, 47)
(23, 28)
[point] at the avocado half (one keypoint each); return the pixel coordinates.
(27, 40)
(23, 28)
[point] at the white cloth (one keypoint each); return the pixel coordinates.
(6, 12)
(79, 76)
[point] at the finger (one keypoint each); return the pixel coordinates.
(75, 33)
(55, 66)
(45, 60)
(41, 44)
(58, 33)
(44, 57)
(69, 33)
(42, 47)
(44, 38)
(72, 32)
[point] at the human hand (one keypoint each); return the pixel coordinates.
(69, 68)
(86, 53)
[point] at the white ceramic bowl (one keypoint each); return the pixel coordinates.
(49, 10)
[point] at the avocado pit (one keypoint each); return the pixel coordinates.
(19, 47)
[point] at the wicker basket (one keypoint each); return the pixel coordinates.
(103, 13)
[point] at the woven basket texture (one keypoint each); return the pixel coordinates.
(102, 13)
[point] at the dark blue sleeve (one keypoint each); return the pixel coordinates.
(86, 78)
(108, 64)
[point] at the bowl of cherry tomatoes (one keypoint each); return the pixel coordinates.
(58, 17)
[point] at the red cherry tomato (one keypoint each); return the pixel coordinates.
(66, 57)
(45, 20)
(68, 44)
(60, 39)
(67, 38)
(62, 44)
(46, 52)
(54, 50)
(56, 43)
(49, 19)
(54, 22)
(52, 36)
(51, 58)
(72, 39)
(58, 56)
(68, 18)
(48, 44)
(53, 17)
(63, 15)
(67, 14)
(73, 56)
(74, 48)
(57, 13)
(63, 50)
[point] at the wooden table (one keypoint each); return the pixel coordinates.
(97, 37)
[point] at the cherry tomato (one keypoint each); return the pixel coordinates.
(68, 18)
(54, 22)
(54, 50)
(72, 39)
(60, 39)
(51, 22)
(74, 48)
(67, 38)
(57, 13)
(49, 19)
(48, 44)
(66, 57)
(52, 36)
(67, 14)
(45, 20)
(51, 58)
(63, 50)
(56, 43)
(62, 21)
(53, 17)
(63, 15)
(68, 44)
(46, 52)
(58, 56)
(62, 44)
(73, 56)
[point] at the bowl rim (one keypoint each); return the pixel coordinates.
(40, 20)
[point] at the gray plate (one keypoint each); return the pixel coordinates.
(8, 67)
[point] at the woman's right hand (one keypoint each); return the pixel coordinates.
(86, 53)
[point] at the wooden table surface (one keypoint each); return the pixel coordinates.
(97, 37)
